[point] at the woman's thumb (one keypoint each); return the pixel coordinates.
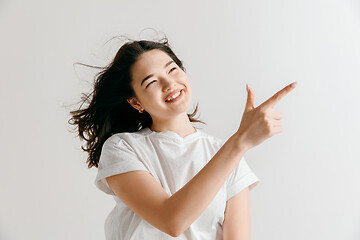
(250, 99)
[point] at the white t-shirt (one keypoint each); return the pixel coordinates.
(173, 161)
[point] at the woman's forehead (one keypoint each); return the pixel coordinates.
(152, 58)
(148, 62)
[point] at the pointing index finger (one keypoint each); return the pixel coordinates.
(279, 95)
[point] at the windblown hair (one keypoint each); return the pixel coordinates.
(107, 111)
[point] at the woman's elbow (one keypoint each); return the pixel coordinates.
(174, 233)
(174, 227)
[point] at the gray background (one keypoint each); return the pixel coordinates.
(309, 173)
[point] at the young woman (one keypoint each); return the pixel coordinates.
(168, 178)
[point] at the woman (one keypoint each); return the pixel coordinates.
(168, 178)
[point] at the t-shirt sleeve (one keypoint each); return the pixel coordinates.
(241, 177)
(116, 157)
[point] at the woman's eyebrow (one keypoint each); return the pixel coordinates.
(167, 64)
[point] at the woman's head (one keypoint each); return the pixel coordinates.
(118, 97)
(156, 79)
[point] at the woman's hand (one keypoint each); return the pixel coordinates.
(258, 124)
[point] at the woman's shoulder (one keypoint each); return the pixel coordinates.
(116, 138)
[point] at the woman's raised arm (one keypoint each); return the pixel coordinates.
(174, 214)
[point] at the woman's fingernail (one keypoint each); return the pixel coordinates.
(247, 88)
(294, 84)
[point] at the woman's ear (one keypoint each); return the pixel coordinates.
(135, 103)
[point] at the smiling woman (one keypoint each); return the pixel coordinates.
(114, 88)
(167, 95)
(168, 178)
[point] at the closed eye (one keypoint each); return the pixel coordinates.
(155, 80)
(150, 83)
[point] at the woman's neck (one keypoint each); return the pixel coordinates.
(181, 125)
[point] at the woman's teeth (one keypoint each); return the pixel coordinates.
(174, 96)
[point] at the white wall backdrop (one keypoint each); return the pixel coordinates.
(309, 173)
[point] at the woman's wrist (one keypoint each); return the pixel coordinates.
(240, 143)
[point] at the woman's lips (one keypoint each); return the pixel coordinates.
(172, 93)
(177, 98)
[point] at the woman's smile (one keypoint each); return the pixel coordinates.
(175, 97)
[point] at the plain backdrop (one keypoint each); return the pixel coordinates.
(309, 173)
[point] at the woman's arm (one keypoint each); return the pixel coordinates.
(236, 224)
(174, 214)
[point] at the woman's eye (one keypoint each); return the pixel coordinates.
(172, 69)
(150, 83)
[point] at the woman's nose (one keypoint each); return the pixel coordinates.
(167, 82)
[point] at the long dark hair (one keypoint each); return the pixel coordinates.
(108, 111)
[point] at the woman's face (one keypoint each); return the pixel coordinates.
(156, 78)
